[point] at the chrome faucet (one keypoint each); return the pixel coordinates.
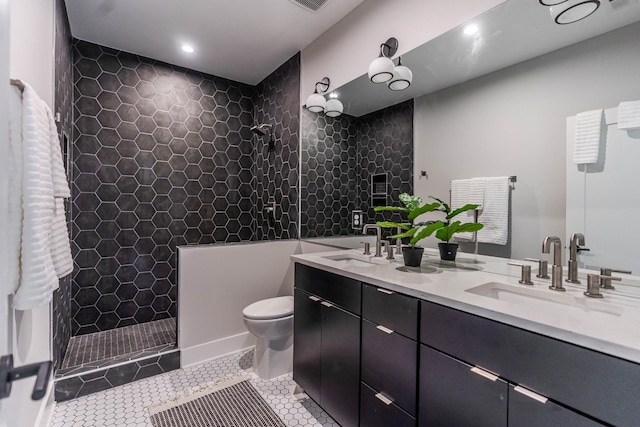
(376, 227)
(399, 241)
(556, 270)
(576, 239)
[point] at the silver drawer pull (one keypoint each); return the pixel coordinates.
(312, 298)
(531, 394)
(384, 399)
(385, 330)
(488, 375)
(326, 304)
(385, 291)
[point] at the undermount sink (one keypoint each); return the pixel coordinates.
(349, 260)
(534, 298)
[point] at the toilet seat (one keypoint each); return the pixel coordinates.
(272, 308)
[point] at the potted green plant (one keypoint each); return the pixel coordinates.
(447, 249)
(416, 231)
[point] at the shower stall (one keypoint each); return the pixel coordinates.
(161, 157)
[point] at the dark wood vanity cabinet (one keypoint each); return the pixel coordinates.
(563, 384)
(326, 349)
(374, 357)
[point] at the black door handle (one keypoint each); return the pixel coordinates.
(8, 374)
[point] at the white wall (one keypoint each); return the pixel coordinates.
(30, 58)
(32, 45)
(512, 122)
(216, 282)
(344, 52)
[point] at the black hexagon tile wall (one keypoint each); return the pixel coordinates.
(164, 156)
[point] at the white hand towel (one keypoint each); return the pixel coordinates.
(495, 214)
(14, 227)
(38, 277)
(588, 135)
(629, 115)
(460, 194)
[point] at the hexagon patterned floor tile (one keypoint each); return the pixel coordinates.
(125, 406)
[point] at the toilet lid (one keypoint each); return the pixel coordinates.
(272, 308)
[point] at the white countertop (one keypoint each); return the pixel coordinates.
(610, 325)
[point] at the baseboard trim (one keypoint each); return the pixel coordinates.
(213, 349)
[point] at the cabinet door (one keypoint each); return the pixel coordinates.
(307, 327)
(340, 383)
(528, 411)
(451, 394)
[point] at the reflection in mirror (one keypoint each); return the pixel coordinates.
(341, 155)
(508, 34)
(602, 198)
(512, 121)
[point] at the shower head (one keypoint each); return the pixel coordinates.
(262, 129)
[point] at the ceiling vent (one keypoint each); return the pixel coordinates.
(311, 5)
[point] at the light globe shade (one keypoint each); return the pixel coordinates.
(381, 69)
(402, 78)
(316, 103)
(551, 2)
(573, 11)
(334, 108)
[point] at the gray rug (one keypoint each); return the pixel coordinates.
(235, 405)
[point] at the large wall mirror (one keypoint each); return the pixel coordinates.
(496, 102)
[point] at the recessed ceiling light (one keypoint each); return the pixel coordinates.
(471, 29)
(187, 48)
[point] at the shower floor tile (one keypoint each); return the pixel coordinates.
(125, 406)
(100, 349)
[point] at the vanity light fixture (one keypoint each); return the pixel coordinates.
(573, 11)
(381, 68)
(551, 2)
(569, 11)
(317, 103)
(402, 77)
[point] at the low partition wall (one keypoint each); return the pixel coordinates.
(216, 282)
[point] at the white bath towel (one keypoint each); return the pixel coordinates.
(495, 213)
(460, 196)
(588, 137)
(476, 193)
(40, 215)
(629, 115)
(14, 227)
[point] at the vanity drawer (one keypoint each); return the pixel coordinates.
(377, 413)
(391, 309)
(576, 376)
(340, 290)
(390, 365)
(453, 393)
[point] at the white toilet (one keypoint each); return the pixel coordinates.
(271, 322)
